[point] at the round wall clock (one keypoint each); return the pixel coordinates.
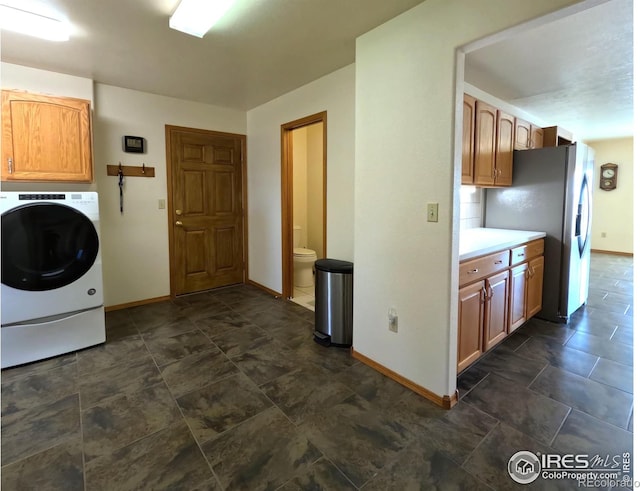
(608, 176)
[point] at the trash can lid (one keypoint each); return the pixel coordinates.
(334, 266)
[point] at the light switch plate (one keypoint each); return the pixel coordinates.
(432, 212)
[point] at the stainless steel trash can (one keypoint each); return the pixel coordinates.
(334, 302)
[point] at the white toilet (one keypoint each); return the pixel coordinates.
(303, 261)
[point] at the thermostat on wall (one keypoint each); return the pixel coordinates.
(133, 144)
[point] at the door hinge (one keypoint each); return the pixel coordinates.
(10, 162)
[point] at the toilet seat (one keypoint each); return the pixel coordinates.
(302, 252)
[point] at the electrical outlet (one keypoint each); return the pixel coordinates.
(432, 212)
(393, 320)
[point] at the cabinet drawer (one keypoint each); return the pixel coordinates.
(527, 251)
(482, 267)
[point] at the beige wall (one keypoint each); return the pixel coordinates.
(307, 185)
(406, 110)
(134, 245)
(315, 198)
(333, 93)
(299, 153)
(135, 250)
(613, 210)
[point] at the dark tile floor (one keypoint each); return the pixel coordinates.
(226, 390)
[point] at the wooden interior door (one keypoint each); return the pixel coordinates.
(205, 170)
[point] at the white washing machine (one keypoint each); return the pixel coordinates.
(51, 293)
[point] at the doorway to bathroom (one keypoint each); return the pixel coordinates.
(304, 224)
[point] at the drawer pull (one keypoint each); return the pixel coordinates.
(473, 271)
(498, 262)
(521, 254)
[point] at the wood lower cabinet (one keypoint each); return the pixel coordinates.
(526, 276)
(483, 311)
(45, 138)
(534, 286)
(518, 296)
(470, 323)
(496, 312)
(498, 293)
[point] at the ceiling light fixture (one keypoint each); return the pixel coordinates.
(196, 17)
(32, 24)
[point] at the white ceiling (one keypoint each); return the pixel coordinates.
(576, 72)
(260, 50)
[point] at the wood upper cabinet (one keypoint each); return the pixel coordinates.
(45, 138)
(537, 137)
(523, 135)
(504, 149)
(485, 144)
(527, 135)
(468, 138)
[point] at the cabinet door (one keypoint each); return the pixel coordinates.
(504, 149)
(470, 320)
(537, 137)
(534, 286)
(45, 138)
(518, 296)
(522, 135)
(468, 132)
(496, 314)
(485, 144)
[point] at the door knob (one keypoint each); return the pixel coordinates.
(179, 223)
(178, 212)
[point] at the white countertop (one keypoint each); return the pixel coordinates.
(475, 242)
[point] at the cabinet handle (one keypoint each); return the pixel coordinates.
(499, 261)
(490, 293)
(484, 294)
(521, 254)
(473, 271)
(10, 165)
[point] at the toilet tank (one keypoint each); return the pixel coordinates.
(297, 232)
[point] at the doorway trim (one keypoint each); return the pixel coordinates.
(170, 207)
(286, 136)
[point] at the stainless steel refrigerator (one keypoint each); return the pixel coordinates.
(552, 192)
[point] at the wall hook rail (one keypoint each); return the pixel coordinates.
(131, 170)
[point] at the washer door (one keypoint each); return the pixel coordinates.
(46, 246)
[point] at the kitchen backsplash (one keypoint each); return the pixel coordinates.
(471, 200)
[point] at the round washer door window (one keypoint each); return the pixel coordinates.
(46, 246)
